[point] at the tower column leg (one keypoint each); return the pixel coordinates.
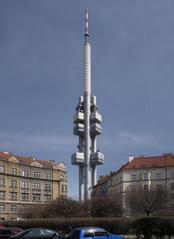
(87, 146)
(81, 184)
(94, 176)
(94, 168)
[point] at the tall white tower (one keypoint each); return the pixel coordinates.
(87, 120)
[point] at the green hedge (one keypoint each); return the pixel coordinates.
(113, 225)
(148, 226)
(152, 227)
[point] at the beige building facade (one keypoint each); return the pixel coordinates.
(139, 173)
(26, 181)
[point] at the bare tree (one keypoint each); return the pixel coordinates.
(33, 211)
(145, 201)
(106, 206)
(61, 207)
(64, 207)
(168, 210)
(68, 208)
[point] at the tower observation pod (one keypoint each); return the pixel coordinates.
(87, 126)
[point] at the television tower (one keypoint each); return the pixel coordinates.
(87, 125)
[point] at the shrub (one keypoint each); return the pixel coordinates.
(114, 225)
(150, 227)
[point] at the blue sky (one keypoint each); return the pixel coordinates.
(41, 77)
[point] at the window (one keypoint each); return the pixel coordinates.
(36, 197)
(24, 208)
(36, 185)
(24, 196)
(36, 174)
(25, 173)
(48, 175)
(133, 188)
(2, 208)
(62, 188)
(13, 184)
(63, 178)
(133, 177)
(89, 234)
(39, 233)
(158, 176)
(34, 233)
(75, 234)
(47, 187)
(25, 184)
(47, 198)
(2, 195)
(2, 169)
(172, 175)
(172, 186)
(2, 181)
(14, 171)
(13, 208)
(145, 176)
(101, 233)
(111, 182)
(13, 195)
(65, 188)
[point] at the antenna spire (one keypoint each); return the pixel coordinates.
(86, 24)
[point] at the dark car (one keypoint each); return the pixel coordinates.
(37, 233)
(91, 233)
(7, 232)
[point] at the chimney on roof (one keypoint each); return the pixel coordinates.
(130, 158)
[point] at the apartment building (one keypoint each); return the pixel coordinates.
(155, 172)
(25, 181)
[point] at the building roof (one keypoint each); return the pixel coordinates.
(29, 161)
(142, 162)
(5, 155)
(103, 179)
(150, 162)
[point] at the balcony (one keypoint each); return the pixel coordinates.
(96, 117)
(79, 117)
(95, 129)
(77, 158)
(96, 158)
(78, 129)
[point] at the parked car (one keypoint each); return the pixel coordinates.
(91, 232)
(7, 232)
(37, 233)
